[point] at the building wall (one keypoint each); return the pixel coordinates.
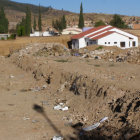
(82, 43)
(75, 44)
(114, 40)
(4, 36)
(70, 32)
(135, 38)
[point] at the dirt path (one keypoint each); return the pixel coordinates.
(17, 118)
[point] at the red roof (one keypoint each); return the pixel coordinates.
(88, 32)
(103, 35)
(100, 32)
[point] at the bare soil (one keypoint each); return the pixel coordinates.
(32, 84)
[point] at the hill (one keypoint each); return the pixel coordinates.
(15, 11)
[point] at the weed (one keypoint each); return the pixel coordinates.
(99, 48)
(111, 65)
(97, 65)
(62, 60)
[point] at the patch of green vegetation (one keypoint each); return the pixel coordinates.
(62, 60)
(96, 65)
(111, 65)
(99, 48)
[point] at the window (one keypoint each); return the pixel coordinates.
(134, 43)
(122, 44)
(115, 42)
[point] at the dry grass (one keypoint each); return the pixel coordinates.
(8, 46)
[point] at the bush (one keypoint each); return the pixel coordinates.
(2, 38)
(99, 23)
(12, 36)
(99, 48)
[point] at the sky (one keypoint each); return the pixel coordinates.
(123, 7)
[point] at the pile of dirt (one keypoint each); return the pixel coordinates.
(112, 54)
(54, 49)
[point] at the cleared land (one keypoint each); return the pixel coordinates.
(8, 46)
(47, 74)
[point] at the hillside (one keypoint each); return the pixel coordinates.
(15, 11)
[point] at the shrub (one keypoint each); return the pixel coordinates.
(99, 48)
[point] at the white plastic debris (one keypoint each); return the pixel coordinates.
(57, 138)
(61, 107)
(89, 128)
(58, 107)
(104, 119)
(65, 108)
(26, 118)
(11, 76)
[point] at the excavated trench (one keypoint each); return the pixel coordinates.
(89, 99)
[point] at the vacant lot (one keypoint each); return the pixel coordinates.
(11, 45)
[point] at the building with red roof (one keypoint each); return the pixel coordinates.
(106, 36)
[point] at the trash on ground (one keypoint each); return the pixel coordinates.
(104, 119)
(11, 76)
(57, 138)
(61, 107)
(89, 128)
(26, 118)
(35, 121)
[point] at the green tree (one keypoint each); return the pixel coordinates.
(39, 20)
(3, 22)
(63, 22)
(34, 26)
(118, 22)
(99, 23)
(21, 31)
(81, 17)
(28, 22)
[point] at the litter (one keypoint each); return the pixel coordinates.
(104, 119)
(11, 76)
(89, 128)
(57, 138)
(26, 118)
(61, 107)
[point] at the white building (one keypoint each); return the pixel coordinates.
(36, 33)
(106, 36)
(71, 30)
(46, 33)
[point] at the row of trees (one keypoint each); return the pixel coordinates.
(60, 24)
(24, 27)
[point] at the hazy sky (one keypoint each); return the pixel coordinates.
(124, 7)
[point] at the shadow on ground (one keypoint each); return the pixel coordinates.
(101, 133)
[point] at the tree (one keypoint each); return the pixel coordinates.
(39, 20)
(118, 22)
(59, 24)
(99, 23)
(63, 22)
(28, 22)
(3, 22)
(34, 26)
(21, 31)
(81, 18)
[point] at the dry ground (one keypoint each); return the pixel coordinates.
(92, 89)
(8, 46)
